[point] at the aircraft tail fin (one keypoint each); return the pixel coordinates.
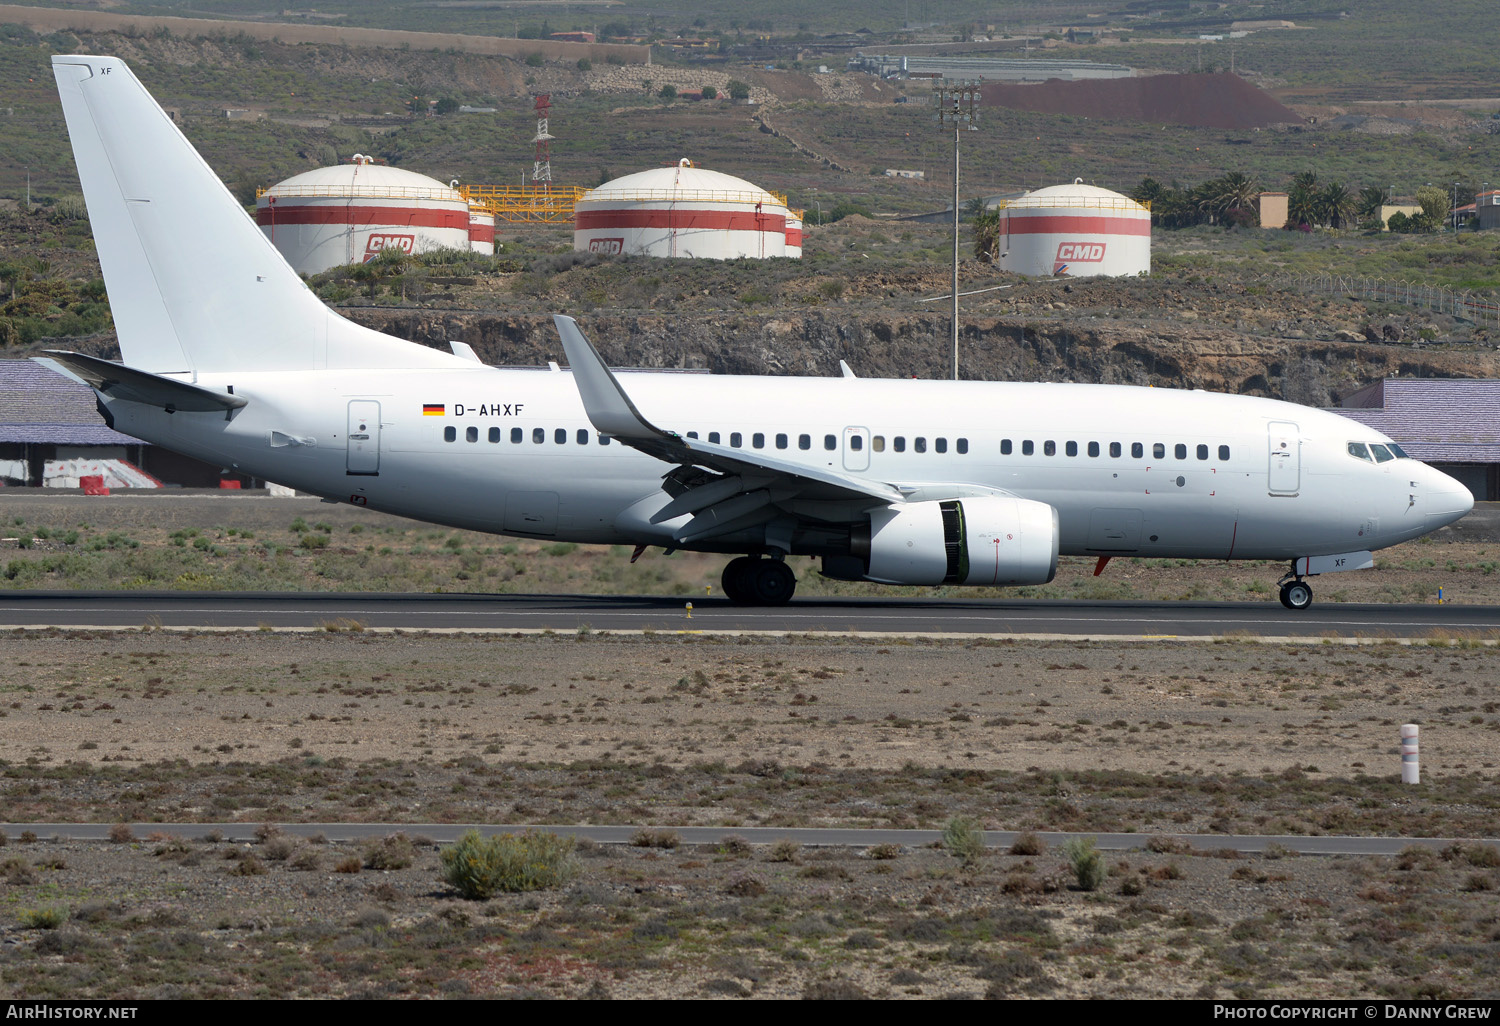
(193, 284)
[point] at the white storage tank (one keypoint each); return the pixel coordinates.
(348, 213)
(683, 211)
(1074, 230)
(794, 234)
(481, 231)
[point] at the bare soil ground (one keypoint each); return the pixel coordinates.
(1165, 739)
(1210, 101)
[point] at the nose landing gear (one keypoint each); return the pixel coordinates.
(752, 581)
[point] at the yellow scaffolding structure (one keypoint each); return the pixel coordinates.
(514, 205)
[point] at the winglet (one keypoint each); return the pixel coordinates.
(609, 408)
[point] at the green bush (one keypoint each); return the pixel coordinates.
(963, 839)
(1086, 861)
(479, 867)
(43, 918)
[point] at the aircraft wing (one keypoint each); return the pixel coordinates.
(748, 481)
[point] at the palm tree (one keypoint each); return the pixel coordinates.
(1148, 192)
(1336, 203)
(1238, 190)
(1371, 199)
(987, 236)
(1301, 206)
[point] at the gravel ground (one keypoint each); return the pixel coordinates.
(1160, 738)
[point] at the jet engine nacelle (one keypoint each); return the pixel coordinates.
(987, 540)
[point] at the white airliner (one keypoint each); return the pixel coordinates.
(230, 358)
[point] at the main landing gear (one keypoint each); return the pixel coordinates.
(752, 581)
(1295, 593)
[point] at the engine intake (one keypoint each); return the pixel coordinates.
(988, 540)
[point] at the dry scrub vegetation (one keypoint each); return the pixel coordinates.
(248, 543)
(1165, 739)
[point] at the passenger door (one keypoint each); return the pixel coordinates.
(363, 437)
(1284, 455)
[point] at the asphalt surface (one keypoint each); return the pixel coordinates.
(572, 613)
(445, 833)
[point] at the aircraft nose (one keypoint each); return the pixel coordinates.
(1447, 500)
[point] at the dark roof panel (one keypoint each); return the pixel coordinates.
(39, 405)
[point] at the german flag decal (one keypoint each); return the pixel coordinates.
(433, 409)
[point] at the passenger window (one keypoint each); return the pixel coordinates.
(1158, 451)
(516, 434)
(1203, 452)
(1093, 448)
(1028, 447)
(1071, 448)
(713, 438)
(471, 434)
(603, 439)
(450, 434)
(1137, 450)
(877, 443)
(1005, 447)
(692, 434)
(1223, 454)
(538, 436)
(1382, 454)
(899, 443)
(781, 441)
(1359, 451)
(1049, 448)
(736, 439)
(1180, 451)
(583, 436)
(940, 444)
(830, 442)
(804, 441)
(919, 444)
(560, 436)
(963, 446)
(857, 442)
(1114, 449)
(758, 439)
(494, 434)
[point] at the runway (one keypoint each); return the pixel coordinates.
(574, 613)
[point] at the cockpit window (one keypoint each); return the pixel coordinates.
(1359, 450)
(1400, 453)
(1382, 454)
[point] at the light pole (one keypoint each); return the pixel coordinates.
(956, 99)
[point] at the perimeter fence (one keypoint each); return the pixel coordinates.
(1479, 307)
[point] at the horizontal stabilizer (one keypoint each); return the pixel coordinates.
(137, 386)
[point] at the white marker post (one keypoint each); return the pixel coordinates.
(1410, 766)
